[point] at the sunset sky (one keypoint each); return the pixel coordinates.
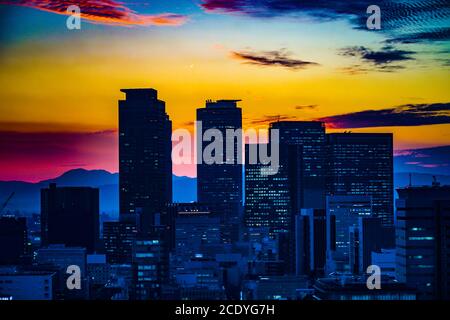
(304, 60)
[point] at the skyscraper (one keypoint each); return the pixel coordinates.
(258, 207)
(150, 266)
(220, 184)
(13, 239)
(70, 216)
(197, 229)
(145, 163)
(362, 164)
(268, 197)
(118, 238)
(307, 171)
(310, 242)
(343, 213)
(423, 240)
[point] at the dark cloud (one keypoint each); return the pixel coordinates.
(102, 11)
(266, 119)
(405, 115)
(384, 56)
(402, 20)
(280, 58)
(385, 59)
(428, 160)
(306, 107)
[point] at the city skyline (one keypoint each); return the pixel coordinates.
(60, 86)
(237, 150)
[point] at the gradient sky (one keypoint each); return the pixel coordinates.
(287, 59)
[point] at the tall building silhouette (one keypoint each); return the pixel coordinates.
(307, 170)
(423, 240)
(13, 239)
(310, 242)
(70, 216)
(220, 184)
(343, 213)
(118, 238)
(145, 163)
(362, 164)
(267, 197)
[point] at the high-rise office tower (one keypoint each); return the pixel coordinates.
(219, 184)
(307, 171)
(343, 213)
(265, 205)
(145, 163)
(368, 237)
(268, 197)
(423, 240)
(118, 238)
(13, 239)
(257, 206)
(310, 242)
(70, 216)
(150, 266)
(362, 164)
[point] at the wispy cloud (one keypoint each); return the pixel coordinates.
(280, 58)
(404, 21)
(431, 160)
(103, 11)
(306, 107)
(386, 59)
(266, 119)
(405, 115)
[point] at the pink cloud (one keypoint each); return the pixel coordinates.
(103, 11)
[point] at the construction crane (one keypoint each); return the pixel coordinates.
(6, 202)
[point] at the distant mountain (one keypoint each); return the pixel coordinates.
(27, 195)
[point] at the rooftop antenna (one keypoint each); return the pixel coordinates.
(410, 179)
(435, 182)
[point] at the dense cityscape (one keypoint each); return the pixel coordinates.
(311, 230)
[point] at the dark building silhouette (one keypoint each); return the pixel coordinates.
(267, 202)
(13, 239)
(310, 238)
(70, 216)
(194, 223)
(150, 266)
(197, 233)
(145, 163)
(367, 237)
(343, 213)
(308, 161)
(220, 184)
(118, 238)
(362, 164)
(423, 240)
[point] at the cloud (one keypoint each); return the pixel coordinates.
(266, 119)
(402, 20)
(385, 59)
(429, 160)
(280, 58)
(103, 11)
(405, 115)
(306, 107)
